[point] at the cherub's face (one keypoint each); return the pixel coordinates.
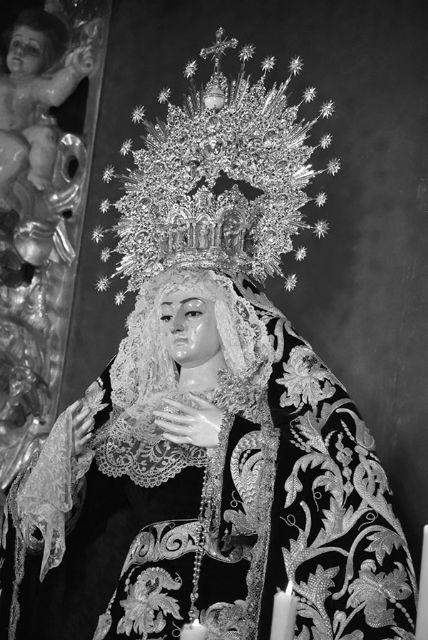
(189, 327)
(26, 55)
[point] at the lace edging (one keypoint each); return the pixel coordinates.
(46, 497)
(143, 481)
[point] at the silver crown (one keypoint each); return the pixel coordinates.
(222, 181)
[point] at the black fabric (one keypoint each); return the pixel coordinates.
(332, 529)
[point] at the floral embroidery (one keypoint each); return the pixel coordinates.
(246, 468)
(383, 542)
(318, 587)
(373, 590)
(345, 453)
(146, 606)
(303, 377)
(225, 621)
(334, 532)
(372, 585)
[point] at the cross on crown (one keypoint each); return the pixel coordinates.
(218, 49)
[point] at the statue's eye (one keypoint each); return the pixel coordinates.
(32, 51)
(166, 318)
(193, 314)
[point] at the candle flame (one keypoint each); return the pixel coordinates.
(289, 589)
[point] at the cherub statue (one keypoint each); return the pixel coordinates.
(28, 142)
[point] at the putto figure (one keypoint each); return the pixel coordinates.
(243, 461)
(27, 140)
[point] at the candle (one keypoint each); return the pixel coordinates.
(193, 631)
(422, 617)
(283, 614)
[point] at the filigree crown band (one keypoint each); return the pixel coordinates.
(209, 231)
(243, 137)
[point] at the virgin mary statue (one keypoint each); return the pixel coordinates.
(217, 458)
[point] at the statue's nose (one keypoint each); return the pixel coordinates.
(177, 323)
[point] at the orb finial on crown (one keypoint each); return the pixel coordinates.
(214, 97)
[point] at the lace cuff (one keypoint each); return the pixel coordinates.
(46, 498)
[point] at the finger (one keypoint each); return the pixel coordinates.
(171, 428)
(75, 405)
(205, 404)
(177, 439)
(82, 444)
(79, 405)
(173, 417)
(183, 407)
(84, 440)
(84, 437)
(79, 417)
(88, 425)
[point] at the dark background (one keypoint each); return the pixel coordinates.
(362, 298)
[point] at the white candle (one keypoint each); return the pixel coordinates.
(283, 614)
(193, 631)
(422, 617)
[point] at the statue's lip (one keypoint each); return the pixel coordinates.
(16, 63)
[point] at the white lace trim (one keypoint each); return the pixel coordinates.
(143, 372)
(136, 448)
(47, 496)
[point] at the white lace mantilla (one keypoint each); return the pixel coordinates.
(143, 375)
(46, 498)
(136, 448)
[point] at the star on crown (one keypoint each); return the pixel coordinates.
(221, 182)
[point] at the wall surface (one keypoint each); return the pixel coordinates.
(362, 298)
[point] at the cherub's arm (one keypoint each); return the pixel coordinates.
(53, 91)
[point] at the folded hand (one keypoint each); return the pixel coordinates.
(183, 424)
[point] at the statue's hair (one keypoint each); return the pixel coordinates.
(143, 367)
(55, 30)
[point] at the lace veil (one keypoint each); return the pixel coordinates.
(143, 367)
(129, 443)
(143, 373)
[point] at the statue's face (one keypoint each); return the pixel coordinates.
(189, 327)
(26, 55)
